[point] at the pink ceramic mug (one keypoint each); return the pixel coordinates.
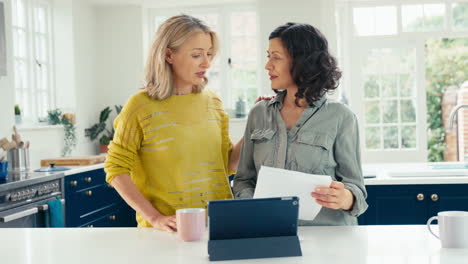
(191, 223)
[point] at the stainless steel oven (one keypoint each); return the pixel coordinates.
(27, 206)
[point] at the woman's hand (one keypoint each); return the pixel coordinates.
(261, 98)
(335, 197)
(165, 223)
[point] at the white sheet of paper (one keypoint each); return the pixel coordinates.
(274, 182)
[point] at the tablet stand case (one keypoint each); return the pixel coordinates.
(253, 228)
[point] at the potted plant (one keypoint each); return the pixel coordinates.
(100, 130)
(55, 117)
(17, 114)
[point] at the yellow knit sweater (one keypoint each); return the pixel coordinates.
(176, 150)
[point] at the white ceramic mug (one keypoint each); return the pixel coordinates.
(453, 228)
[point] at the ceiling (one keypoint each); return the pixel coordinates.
(163, 3)
(117, 2)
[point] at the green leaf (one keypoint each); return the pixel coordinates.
(104, 114)
(104, 140)
(118, 108)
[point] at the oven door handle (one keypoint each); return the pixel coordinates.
(11, 217)
(45, 207)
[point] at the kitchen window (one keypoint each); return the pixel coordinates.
(32, 58)
(234, 74)
(384, 46)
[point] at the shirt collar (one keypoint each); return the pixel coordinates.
(280, 97)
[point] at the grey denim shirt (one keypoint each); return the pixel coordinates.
(324, 141)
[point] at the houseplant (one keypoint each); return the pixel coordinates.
(55, 117)
(17, 114)
(100, 130)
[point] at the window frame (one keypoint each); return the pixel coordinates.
(32, 94)
(224, 34)
(352, 45)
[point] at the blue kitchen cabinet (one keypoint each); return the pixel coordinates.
(411, 204)
(91, 202)
(453, 197)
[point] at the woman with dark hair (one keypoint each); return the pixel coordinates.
(300, 130)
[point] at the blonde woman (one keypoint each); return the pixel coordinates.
(171, 148)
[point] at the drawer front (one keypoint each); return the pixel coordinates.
(104, 221)
(125, 216)
(80, 181)
(119, 216)
(86, 202)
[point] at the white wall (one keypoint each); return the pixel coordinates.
(7, 95)
(64, 54)
(45, 143)
(85, 51)
(119, 62)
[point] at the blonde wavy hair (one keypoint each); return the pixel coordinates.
(172, 34)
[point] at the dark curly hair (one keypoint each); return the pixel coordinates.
(314, 69)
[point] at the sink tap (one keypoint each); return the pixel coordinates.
(454, 111)
(452, 117)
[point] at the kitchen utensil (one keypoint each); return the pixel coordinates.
(3, 143)
(17, 135)
(9, 145)
(27, 163)
(51, 168)
(18, 159)
(74, 160)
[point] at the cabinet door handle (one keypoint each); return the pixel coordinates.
(89, 193)
(45, 207)
(73, 183)
(420, 197)
(27, 212)
(88, 179)
(90, 226)
(434, 197)
(112, 217)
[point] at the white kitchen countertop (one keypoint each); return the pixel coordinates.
(417, 173)
(350, 245)
(382, 172)
(80, 169)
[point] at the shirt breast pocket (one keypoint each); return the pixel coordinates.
(263, 145)
(312, 150)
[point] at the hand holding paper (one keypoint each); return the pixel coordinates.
(335, 197)
(274, 182)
